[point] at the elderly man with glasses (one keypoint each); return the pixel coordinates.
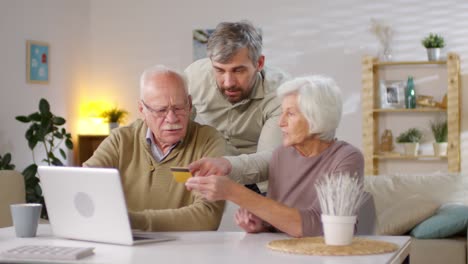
(145, 150)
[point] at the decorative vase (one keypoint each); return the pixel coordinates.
(440, 148)
(338, 230)
(386, 53)
(411, 149)
(113, 125)
(433, 54)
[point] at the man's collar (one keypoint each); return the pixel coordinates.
(151, 140)
(258, 90)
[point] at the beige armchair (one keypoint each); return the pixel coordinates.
(11, 192)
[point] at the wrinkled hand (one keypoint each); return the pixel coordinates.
(210, 166)
(248, 221)
(212, 188)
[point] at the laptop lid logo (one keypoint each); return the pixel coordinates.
(84, 204)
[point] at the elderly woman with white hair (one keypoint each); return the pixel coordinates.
(311, 113)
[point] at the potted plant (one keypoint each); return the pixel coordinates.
(433, 43)
(114, 117)
(46, 130)
(5, 162)
(410, 141)
(439, 131)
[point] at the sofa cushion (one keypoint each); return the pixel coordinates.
(448, 221)
(403, 215)
(441, 187)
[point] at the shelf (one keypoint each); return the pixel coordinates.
(396, 63)
(404, 110)
(398, 156)
(375, 119)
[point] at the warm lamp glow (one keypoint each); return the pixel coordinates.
(90, 122)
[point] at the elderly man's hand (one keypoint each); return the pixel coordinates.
(248, 221)
(210, 166)
(212, 188)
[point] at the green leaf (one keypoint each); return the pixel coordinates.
(69, 143)
(57, 162)
(64, 155)
(58, 135)
(30, 172)
(44, 106)
(7, 158)
(31, 182)
(23, 119)
(35, 117)
(38, 190)
(32, 143)
(29, 133)
(58, 121)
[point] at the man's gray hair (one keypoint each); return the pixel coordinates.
(319, 100)
(157, 70)
(229, 37)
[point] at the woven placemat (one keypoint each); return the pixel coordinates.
(317, 246)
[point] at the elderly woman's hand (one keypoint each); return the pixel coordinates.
(248, 221)
(212, 188)
(210, 166)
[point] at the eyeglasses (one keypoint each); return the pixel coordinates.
(163, 111)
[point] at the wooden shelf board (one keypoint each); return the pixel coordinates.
(405, 157)
(396, 63)
(404, 110)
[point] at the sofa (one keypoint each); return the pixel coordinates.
(432, 208)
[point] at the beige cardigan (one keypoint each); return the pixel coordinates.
(156, 202)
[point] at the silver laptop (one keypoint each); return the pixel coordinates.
(89, 204)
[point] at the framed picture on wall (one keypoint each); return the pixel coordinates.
(392, 94)
(37, 62)
(199, 42)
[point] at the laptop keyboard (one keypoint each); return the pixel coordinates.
(42, 252)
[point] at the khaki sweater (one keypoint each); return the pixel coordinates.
(155, 201)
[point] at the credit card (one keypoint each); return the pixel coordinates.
(181, 174)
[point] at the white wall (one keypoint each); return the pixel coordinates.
(65, 26)
(302, 37)
(125, 37)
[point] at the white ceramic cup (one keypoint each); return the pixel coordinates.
(25, 218)
(338, 230)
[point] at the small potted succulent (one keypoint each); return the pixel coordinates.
(439, 131)
(410, 140)
(114, 117)
(433, 43)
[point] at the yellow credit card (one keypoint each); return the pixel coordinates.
(181, 174)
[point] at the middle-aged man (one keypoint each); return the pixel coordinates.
(145, 150)
(232, 92)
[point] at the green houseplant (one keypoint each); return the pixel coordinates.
(114, 116)
(410, 140)
(439, 130)
(433, 43)
(5, 162)
(46, 130)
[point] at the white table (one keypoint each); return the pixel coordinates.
(201, 247)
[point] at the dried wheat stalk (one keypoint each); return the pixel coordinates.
(340, 194)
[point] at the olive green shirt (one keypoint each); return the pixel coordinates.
(250, 126)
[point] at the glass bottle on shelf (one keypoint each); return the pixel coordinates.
(410, 95)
